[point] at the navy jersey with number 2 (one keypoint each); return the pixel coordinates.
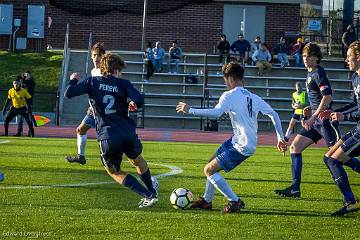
(108, 96)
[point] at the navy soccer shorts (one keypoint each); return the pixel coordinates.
(323, 129)
(89, 120)
(112, 151)
(228, 157)
(351, 145)
(297, 116)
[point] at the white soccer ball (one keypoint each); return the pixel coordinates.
(181, 198)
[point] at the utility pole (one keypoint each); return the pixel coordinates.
(143, 36)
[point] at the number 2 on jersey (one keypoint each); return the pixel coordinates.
(249, 106)
(109, 100)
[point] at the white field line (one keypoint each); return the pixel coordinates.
(4, 141)
(174, 170)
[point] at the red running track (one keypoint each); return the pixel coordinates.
(151, 134)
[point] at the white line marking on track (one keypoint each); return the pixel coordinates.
(174, 170)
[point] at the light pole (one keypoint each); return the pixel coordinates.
(143, 36)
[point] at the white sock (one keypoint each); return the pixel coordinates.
(209, 191)
(81, 143)
(220, 183)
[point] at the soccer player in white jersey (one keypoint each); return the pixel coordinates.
(243, 108)
(88, 122)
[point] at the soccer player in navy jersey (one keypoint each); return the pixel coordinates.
(243, 108)
(116, 133)
(348, 147)
(320, 98)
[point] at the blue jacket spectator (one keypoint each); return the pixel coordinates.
(159, 54)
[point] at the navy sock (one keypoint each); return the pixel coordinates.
(296, 168)
(134, 185)
(340, 177)
(146, 178)
(354, 164)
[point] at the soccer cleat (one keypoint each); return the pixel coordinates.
(148, 202)
(155, 184)
(288, 192)
(347, 208)
(202, 204)
(234, 206)
(78, 158)
(1, 177)
(18, 134)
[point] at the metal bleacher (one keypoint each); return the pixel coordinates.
(164, 90)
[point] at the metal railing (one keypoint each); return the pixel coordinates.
(62, 78)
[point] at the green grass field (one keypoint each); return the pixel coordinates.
(42, 196)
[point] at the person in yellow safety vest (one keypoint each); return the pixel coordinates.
(299, 102)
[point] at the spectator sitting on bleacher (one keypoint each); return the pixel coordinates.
(296, 52)
(240, 49)
(282, 51)
(255, 45)
(149, 58)
(159, 54)
(262, 59)
(223, 47)
(175, 56)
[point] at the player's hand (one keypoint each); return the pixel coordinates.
(307, 124)
(336, 116)
(307, 111)
(282, 146)
(132, 106)
(325, 114)
(75, 75)
(182, 107)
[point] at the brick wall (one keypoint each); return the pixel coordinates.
(280, 18)
(123, 31)
(195, 26)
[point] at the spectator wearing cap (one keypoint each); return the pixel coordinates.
(296, 52)
(223, 47)
(19, 98)
(282, 51)
(175, 56)
(348, 37)
(255, 45)
(240, 49)
(159, 54)
(262, 59)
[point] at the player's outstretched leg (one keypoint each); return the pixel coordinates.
(294, 190)
(297, 147)
(341, 179)
(81, 136)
